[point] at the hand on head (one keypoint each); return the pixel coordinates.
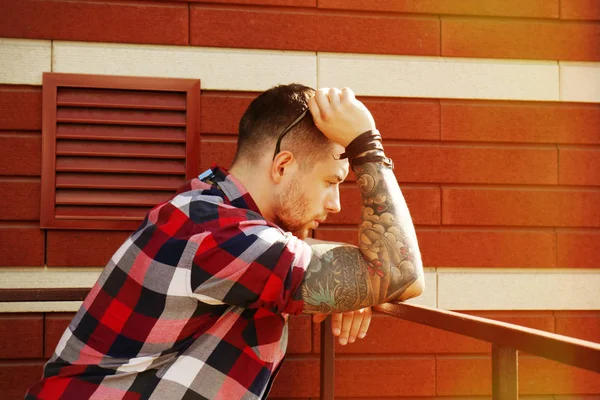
(339, 115)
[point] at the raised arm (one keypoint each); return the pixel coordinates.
(387, 263)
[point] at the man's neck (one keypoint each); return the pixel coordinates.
(257, 186)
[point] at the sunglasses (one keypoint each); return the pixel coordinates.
(286, 130)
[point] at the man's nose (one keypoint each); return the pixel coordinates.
(333, 204)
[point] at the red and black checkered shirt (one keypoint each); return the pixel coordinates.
(194, 305)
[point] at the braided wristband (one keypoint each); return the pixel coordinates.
(382, 159)
(360, 144)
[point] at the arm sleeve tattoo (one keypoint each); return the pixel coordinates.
(385, 263)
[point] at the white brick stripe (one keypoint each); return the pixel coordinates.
(32, 277)
(449, 288)
(22, 61)
(580, 81)
(218, 69)
(440, 77)
(518, 289)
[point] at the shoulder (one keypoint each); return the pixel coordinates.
(255, 240)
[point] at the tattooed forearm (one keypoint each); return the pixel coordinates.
(386, 235)
(335, 280)
(386, 262)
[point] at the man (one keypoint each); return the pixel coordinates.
(195, 303)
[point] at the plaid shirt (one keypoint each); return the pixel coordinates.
(193, 305)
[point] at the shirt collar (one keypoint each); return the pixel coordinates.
(235, 193)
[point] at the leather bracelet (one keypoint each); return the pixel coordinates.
(374, 145)
(382, 159)
(359, 144)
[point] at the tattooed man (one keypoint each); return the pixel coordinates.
(195, 303)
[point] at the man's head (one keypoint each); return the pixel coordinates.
(296, 187)
(269, 115)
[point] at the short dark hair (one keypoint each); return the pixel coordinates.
(269, 114)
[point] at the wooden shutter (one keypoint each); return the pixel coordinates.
(113, 147)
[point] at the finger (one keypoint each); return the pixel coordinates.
(366, 322)
(346, 325)
(356, 324)
(347, 95)
(317, 318)
(336, 324)
(322, 98)
(315, 110)
(335, 96)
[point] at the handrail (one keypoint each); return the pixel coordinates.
(43, 294)
(564, 349)
(506, 340)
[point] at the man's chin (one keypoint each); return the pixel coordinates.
(302, 233)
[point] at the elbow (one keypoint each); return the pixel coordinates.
(415, 289)
(418, 286)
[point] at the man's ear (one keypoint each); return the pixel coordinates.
(284, 161)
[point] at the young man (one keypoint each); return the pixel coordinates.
(195, 304)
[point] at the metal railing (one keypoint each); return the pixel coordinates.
(506, 339)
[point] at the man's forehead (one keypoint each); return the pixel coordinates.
(336, 167)
(345, 168)
(341, 163)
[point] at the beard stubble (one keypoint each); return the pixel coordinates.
(291, 209)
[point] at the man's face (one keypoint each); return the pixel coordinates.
(311, 194)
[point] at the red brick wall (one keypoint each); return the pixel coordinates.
(493, 29)
(560, 215)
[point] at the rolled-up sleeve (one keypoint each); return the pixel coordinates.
(252, 265)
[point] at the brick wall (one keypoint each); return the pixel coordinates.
(491, 111)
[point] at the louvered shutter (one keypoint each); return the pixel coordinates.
(113, 147)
